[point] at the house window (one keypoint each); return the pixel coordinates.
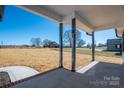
(118, 46)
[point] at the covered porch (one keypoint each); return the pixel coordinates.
(91, 19)
(97, 76)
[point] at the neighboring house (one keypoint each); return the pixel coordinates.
(114, 44)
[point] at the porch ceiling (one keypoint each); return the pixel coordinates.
(89, 17)
(1, 11)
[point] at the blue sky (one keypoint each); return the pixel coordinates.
(19, 26)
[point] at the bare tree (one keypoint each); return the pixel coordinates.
(50, 44)
(81, 43)
(35, 42)
(67, 38)
(46, 43)
(89, 46)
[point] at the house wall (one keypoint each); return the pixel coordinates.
(114, 44)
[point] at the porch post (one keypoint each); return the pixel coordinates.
(61, 45)
(73, 44)
(123, 47)
(93, 47)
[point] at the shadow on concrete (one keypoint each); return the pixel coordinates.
(106, 75)
(101, 75)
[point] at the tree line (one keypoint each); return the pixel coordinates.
(67, 42)
(36, 42)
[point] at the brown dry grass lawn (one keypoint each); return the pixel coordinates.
(46, 59)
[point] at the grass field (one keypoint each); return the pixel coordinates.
(98, 52)
(43, 59)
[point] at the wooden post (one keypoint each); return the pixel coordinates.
(73, 44)
(123, 47)
(93, 47)
(61, 45)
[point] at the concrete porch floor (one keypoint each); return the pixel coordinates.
(100, 75)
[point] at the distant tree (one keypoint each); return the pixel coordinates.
(46, 43)
(1, 44)
(89, 45)
(35, 42)
(81, 43)
(25, 46)
(50, 44)
(53, 44)
(67, 38)
(101, 44)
